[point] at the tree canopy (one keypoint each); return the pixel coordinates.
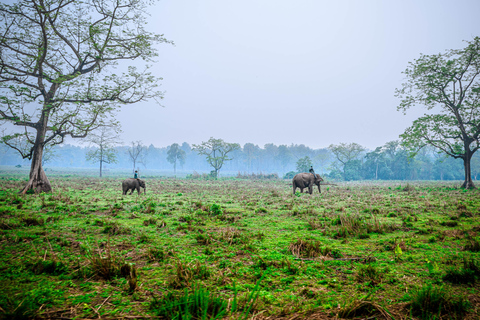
(216, 151)
(448, 86)
(175, 153)
(104, 139)
(57, 76)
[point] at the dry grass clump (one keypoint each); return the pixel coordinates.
(185, 274)
(364, 308)
(107, 266)
(309, 248)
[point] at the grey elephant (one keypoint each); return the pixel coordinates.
(132, 184)
(306, 180)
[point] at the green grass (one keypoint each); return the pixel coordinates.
(236, 248)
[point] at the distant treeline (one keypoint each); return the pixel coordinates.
(389, 162)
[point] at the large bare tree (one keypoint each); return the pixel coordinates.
(57, 77)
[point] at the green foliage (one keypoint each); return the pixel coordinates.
(303, 164)
(289, 175)
(197, 304)
(467, 273)
(176, 154)
(429, 302)
(295, 246)
(216, 209)
(216, 151)
(370, 274)
(447, 82)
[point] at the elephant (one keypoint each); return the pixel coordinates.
(306, 180)
(132, 184)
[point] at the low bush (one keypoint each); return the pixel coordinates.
(429, 302)
(197, 304)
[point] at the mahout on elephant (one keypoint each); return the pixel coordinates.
(306, 180)
(133, 184)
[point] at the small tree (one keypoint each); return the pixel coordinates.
(304, 164)
(137, 154)
(345, 155)
(216, 151)
(104, 140)
(449, 85)
(175, 153)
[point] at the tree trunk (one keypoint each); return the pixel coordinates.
(101, 160)
(468, 184)
(38, 181)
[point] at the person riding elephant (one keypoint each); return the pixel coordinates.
(306, 180)
(133, 184)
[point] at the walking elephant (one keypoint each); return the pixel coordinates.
(133, 184)
(306, 180)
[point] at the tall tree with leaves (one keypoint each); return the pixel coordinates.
(304, 164)
(216, 151)
(448, 85)
(56, 70)
(346, 155)
(175, 153)
(104, 140)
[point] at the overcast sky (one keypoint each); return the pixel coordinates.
(303, 72)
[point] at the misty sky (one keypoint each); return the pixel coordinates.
(283, 72)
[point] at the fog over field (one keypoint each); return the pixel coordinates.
(283, 72)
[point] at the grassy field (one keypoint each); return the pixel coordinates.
(237, 249)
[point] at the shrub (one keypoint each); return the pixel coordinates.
(114, 228)
(472, 245)
(428, 302)
(198, 304)
(185, 273)
(465, 274)
(370, 274)
(108, 265)
(308, 248)
(215, 209)
(158, 254)
(49, 267)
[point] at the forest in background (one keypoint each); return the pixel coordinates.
(388, 162)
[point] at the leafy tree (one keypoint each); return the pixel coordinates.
(56, 70)
(284, 156)
(175, 153)
(216, 151)
(105, 140)
(448, 85)
(304, 164)
(345, 153)
(251, 152)
(137, 153)
(374, 161)
(321, 160)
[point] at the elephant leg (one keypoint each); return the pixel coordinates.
(301, 190)
(131, 190)
(310, 190)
